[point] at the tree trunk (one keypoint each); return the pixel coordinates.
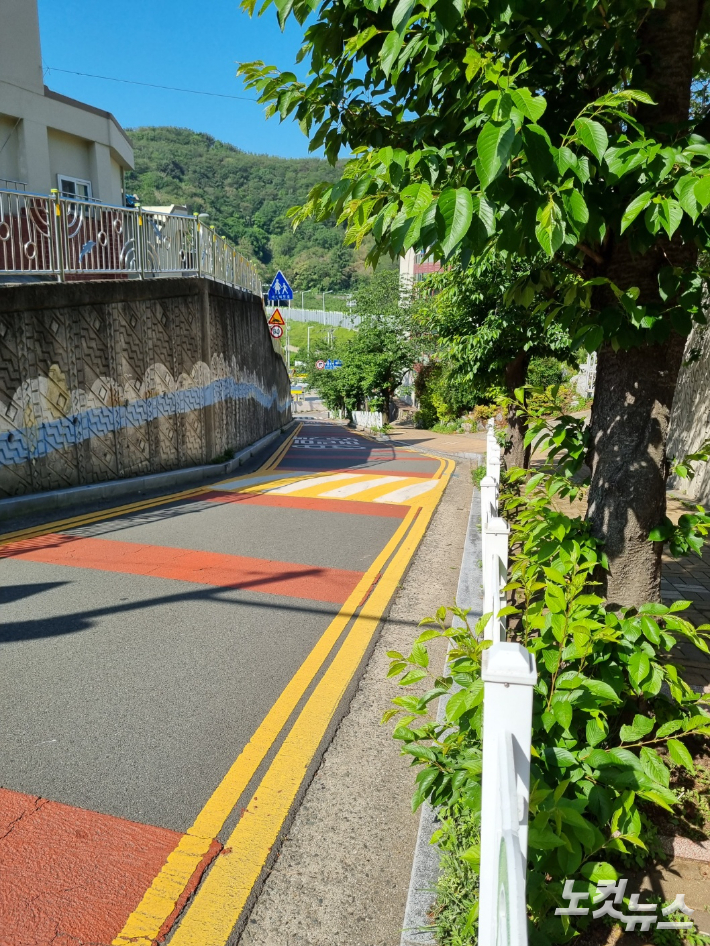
(627, 498)
(634, 389)
(516, 453)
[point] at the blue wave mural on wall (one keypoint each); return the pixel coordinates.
(32, 443)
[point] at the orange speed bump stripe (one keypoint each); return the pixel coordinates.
(203, 568)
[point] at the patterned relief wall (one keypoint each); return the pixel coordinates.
(690, 419)
(114, 379)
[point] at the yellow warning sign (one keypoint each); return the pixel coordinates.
(276, 318)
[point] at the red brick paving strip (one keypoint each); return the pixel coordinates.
(204, 568)
(73, 877)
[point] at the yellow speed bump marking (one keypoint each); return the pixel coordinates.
(144, 924)
(223, 894)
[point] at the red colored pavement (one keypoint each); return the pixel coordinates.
(72, 877)
(204, 568)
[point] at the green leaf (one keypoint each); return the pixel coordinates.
(640, 727)
(539, 153)
(639, 667)
(593, 136)
(418, 673)
(494, 146)
(472, 856)
(637, 205)
(543, 839)
(595, 733)
(419, 655)
(601, 689)
(685, 192)
(680, 755)
(577, 209)
(416, 198)
(702, 191)
(550, 231)
(653, 766)
(670, 215)
(456, 209)
(557, 756)
(402, 13)
(532, 106)
(563, 713)
(598, 871)
(390, 50)
(671, 726)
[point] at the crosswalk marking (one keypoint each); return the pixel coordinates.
(407, 492)
(312, 481)
(352, 488)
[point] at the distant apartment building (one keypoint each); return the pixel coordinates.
(416, 266)
(47, 140)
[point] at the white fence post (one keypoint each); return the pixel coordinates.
(509, 675)
(489, 508)
(492, 453)
(495, 577)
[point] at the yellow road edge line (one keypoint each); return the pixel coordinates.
(101, 514)
(142, 926)
(223, 894)
(283, 450)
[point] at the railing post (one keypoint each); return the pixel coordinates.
(58, 234)
(509, 675)
(198, 244)
(492, 452)
(489, 508)
(495, 577)
(140, 236)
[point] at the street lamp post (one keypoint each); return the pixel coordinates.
(325, 293)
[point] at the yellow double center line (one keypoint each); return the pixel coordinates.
(224, 893)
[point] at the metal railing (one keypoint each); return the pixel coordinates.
(70, 238)
(509, 675)
(334, 319)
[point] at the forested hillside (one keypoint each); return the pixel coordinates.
(247, 196)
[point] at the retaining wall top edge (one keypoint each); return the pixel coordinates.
(47, 295)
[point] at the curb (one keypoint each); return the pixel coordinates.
(425, 867)
(135, 486)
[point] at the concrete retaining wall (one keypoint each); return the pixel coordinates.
(120, 378)
(690, 418)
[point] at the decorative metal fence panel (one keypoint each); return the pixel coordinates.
(27, 235)
(67, 238)
(96, 239)
(170, 243)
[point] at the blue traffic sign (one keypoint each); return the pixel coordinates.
(337, 363)
(330, 364)
(279, 290)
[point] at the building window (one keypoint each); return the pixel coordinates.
(74, 187)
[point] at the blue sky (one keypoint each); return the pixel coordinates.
(193, 44)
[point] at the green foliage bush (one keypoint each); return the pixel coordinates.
(544, 372)
(612, 715)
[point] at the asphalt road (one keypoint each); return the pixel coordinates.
(147, 653)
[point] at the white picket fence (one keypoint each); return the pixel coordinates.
(509, 675)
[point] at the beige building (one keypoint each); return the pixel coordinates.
(47, 140)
